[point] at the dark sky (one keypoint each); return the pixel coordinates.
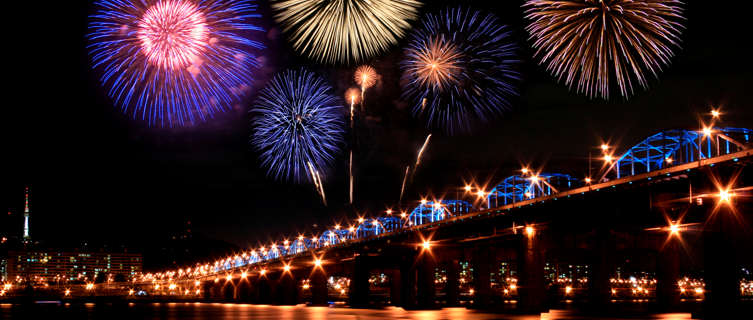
(98, 175)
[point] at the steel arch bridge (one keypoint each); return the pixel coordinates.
(518, 188)
(659, 151)
(674, 147)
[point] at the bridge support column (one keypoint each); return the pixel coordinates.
(359, 282)
(667, 273)
(482, 266)
(531, 286)
(287, 291)
(396, 288)
(602, 266)
(207, 290)
(318, 284)
(721, 300)
(425, 293)
(452, 286)
(266, 289)
(408, 280)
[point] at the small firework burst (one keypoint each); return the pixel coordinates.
(460, 68)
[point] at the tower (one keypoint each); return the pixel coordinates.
(27, 236)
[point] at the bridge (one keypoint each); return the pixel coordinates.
(675, 202)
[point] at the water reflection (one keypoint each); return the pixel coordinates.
(225, 311)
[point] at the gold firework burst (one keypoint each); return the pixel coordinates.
(588, 43)
(344, 31)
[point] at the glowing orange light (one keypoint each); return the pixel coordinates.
(669, 160)
(588, 180)
(674, 229)
(706, 131)
(423, 201)
(568, 289)
(351, 229)
(530, 231)
(317, 262)
(68, 292)
(403, 214)
(426, 245)
(480, 193)
(230, 277)
(604, 147)
(286, 268)
(196, 283)
(724, 195)
(524, 170)
(608, 158)
(389, 211)
(263, 272)
(360, 220)
(467, 188)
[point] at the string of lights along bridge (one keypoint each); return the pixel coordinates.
(670, 149)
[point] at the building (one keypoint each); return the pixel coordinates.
(22, 259)
(62, 265)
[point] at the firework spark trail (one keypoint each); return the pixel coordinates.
(589, 44)
(174, 62)
(352, 95)
(344, 31)
(350, 173)
(421, 151)
(297, 121)
(317, 183)
(405, 179)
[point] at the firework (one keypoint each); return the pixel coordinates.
(587, 42)
(405, 179)
(350, 173)
(421, 151)
(174, 62)
(298, 124)
(352, 95)
(366, 77)
(460, 67)
(343, 31)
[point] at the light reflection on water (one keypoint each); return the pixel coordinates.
(227, 311)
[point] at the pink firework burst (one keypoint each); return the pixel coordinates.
(173, 34)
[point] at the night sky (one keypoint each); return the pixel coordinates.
(98, 175)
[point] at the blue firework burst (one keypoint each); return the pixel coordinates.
(459, 68)
(174, 62)
(298, 125)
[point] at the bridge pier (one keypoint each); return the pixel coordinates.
(287, 290)
(531, 286)
(318, 286)
(452, 286)
(408, 281)
(482, 258)
(425, 289)
(359, 281)
(667, 273)
(395, 287)
(720, 270)
(602, 266)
